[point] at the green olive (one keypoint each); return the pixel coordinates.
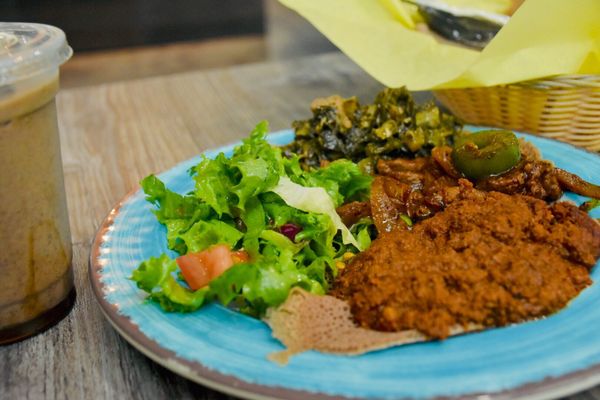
(486, 153)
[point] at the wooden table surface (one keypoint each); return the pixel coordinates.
(114, 135)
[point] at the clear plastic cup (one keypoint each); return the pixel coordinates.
(36, 277)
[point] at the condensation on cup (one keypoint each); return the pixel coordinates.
(36, 277)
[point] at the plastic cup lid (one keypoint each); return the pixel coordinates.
(28, 49)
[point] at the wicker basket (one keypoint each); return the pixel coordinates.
(565, 107)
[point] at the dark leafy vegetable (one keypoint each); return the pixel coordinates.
(486, 153)
(393, 126)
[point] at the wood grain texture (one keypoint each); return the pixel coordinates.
(93, 68)
(112, 136)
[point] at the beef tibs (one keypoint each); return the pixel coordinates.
(487, 259)
(354, 211)
(413, 188)
(418, 188)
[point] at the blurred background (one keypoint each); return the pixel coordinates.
(127, 39)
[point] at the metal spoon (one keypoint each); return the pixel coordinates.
(472, 28)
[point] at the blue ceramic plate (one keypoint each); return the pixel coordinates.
(227, 351)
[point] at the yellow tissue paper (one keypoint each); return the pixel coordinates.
(543, 38)
(494, 6)
(403, 12)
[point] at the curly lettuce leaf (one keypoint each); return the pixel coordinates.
(175, 227)
(258, 165)
(342, 179)
(254, 218)
(282, 242)
(176, 212)
(364, 230)
(175, 298)
(204, 234)
(171, 205)
(213, 184)
(227, 184)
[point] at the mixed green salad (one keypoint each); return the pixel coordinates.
(255, 226)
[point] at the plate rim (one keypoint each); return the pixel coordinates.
(547, 388)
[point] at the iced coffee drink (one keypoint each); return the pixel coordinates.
(36, 282)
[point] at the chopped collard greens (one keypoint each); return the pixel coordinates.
(393, 126)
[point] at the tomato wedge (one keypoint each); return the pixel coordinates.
(194, 270)
(198, 269)
(218, 259)
(240, 256)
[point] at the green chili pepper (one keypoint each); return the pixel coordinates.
(486, 153)
(406, 220)
(590, 205)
